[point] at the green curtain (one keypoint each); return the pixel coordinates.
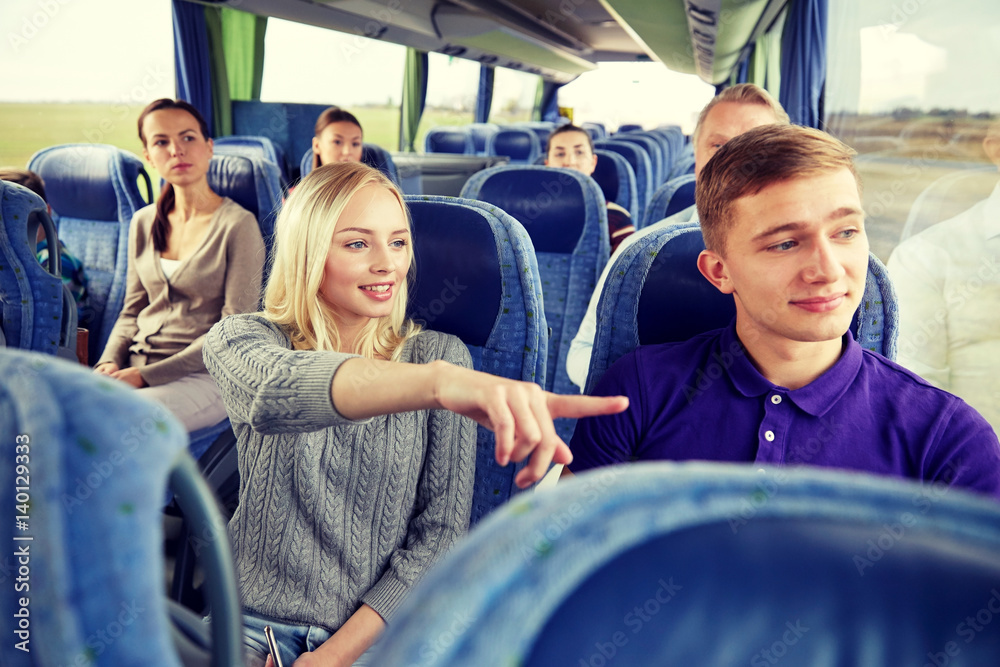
(414, 97)
(236, 45)
(221, 111)
(243, 44)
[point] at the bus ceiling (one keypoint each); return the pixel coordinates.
(556, 39)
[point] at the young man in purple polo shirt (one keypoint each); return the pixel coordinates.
(780, 210)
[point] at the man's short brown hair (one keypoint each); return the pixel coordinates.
(763, 156)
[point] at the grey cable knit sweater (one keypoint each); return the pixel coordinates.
(333, 512)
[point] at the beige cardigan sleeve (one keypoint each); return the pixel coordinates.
(241, 252)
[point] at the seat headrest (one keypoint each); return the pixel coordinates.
(606, 175)
(448, 140)
(516, 143)
(457, 287)
(677, 302)
(80, 179)
(551, 203)
(233, 176)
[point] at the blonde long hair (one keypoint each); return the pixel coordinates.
(303, 235)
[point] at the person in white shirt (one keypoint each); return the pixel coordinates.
(729, 114)
(947, 280)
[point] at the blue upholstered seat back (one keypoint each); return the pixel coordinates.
(666, 145)
(254, 147)
(617, 180)
(371, 154)
(641, 167)
(542, 130)
(565, 215)
(481, 133)
(31, 298)
(715, 564)
(595, 130)
(653, 150)
(98, 457)
(675, 195)
(448, 139)
(520, 144)
(477, 278)
(252, 183)
(655, 294)
(629, 127)
(93, 190)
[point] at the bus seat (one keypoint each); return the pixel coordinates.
(93, 190)
(629, 127)
(99, 456)
(595, 130)
(653, 150)
(683, 167)
(252, 183)
(449, 139)
(675, 195)
(566, 217)
(617, 180)
(39, 313)
(542, 130)
(519, 144)
(481, 133)
(371, 154)
(477, 278)
(655, 294)
(258, 147)
(714, 564)
(641, 166)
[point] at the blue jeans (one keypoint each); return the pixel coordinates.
(292, 640)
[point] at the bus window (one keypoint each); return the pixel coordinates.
(645, 93)
(915, 88)
(80, 73)
(451, 94)
(513, 96)
(303, 63)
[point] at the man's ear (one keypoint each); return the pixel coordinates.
(713, 266)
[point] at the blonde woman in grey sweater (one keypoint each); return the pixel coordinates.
(355, 428)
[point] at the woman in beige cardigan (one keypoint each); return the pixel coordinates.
(194, 257)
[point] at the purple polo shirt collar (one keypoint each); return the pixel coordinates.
(816, 398)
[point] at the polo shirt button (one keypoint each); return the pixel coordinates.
(776, 399)
(769, 436)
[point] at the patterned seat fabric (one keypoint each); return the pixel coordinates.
(639, 160)
(565, 215)
(673, 196)
(36, 314)
(477, 278)
(93, 190)
(714, 564)
(617, 180)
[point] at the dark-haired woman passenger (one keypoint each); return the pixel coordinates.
(193, 258)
